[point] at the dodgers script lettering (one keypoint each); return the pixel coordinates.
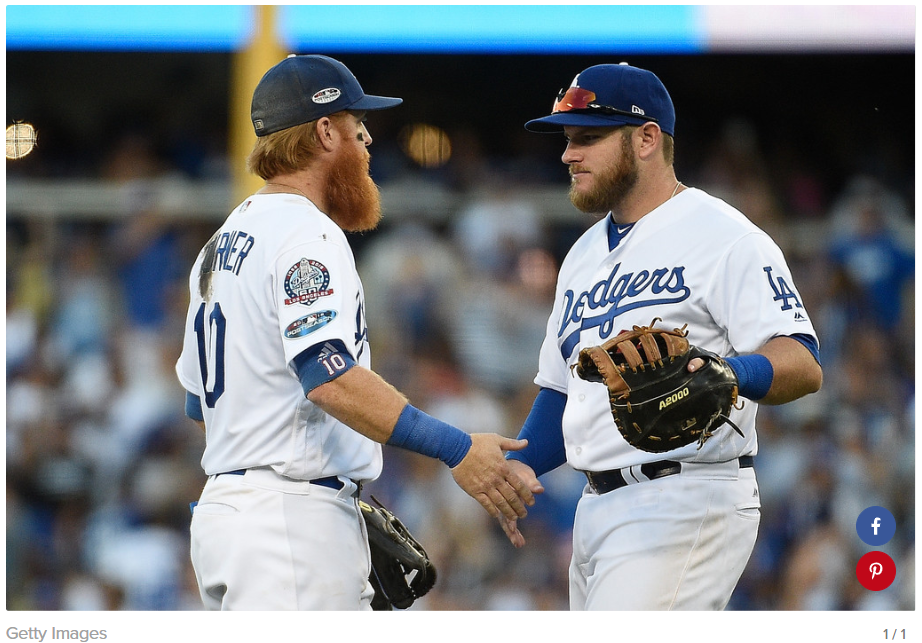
(616, 295)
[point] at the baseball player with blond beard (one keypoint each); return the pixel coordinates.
(662, 528)
(277, 366)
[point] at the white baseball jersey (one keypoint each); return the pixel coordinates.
(284, 280)
(693, 260)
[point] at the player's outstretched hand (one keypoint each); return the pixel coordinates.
(510, 527)
(489, 478)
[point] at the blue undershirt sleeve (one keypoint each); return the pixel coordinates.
(194, 407)
(809, 341)
(543, 428)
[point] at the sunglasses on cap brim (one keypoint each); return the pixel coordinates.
(575, 99)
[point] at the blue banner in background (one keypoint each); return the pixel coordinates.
(466, 29)
(128, 28)
(361, 28)
(530, 29)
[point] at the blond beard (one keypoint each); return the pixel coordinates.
(613, 185)
(352, 198)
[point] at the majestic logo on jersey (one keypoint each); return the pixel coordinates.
(306, 282)
(600, 305)
(309, 323)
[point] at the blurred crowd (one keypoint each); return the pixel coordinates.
(102, 464)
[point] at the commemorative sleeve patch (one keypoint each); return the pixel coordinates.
(309, 323)
(306, 282)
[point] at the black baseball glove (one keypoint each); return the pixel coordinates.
(657, 404)
(401, 570)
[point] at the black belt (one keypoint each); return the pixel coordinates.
(605, 481)
(331, 482)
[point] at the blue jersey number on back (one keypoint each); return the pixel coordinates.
(218, 325)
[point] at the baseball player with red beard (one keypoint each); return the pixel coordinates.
(670, 530)
(277, 366)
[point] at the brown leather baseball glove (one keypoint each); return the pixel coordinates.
(657, 404)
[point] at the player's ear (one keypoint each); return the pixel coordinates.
(649, 138)
(326, 133)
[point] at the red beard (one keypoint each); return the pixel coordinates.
(352, 198)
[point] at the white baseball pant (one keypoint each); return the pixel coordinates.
(680, 542)
(264, 542)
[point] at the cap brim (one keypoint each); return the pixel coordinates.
(556, 122)
(372, 103)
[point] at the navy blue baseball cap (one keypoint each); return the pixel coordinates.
(609, 96)
(301, 89)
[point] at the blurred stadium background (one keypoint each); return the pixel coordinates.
(803, 117)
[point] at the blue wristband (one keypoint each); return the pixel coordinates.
(429, 436)
(755, 374)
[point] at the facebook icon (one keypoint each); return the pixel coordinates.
(875, 526)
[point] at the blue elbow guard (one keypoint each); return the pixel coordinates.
(322, 363)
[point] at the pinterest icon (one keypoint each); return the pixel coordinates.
(875, 571)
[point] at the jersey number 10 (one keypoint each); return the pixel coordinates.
(218, 324)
